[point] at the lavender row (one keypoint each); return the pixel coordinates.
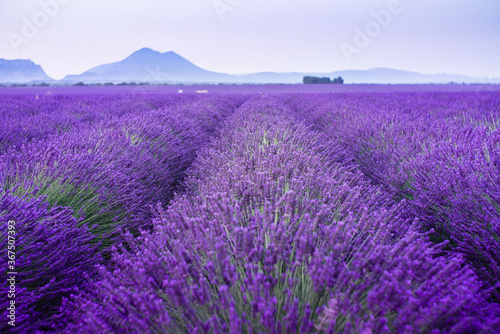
(113, 169)
(440, 151)
(25, 118)
(276, 233)
(86, 186)
(53, 257)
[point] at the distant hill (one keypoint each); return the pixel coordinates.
(21, 71)
(146, 65)
(371, 76)
(388, 76)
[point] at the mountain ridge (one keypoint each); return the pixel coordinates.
(148, 65)
(21, 71)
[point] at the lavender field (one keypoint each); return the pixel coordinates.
(351, 210)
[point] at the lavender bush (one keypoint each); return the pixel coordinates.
(54, 257)
(304, 213)
(100, 177)
(32, 117)
(275, 235)
(441, 151)
(113, 170)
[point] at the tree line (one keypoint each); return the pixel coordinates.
(324, 80)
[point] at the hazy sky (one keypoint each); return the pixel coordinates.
(244, 36)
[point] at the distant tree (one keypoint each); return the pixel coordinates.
(338, 80)
(79, 84)
(109, 84)
(316, 80)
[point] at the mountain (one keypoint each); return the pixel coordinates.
(21, 71)
(388, 76)
(371, 76)
(147, 65)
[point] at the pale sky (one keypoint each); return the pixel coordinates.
(245, 36)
